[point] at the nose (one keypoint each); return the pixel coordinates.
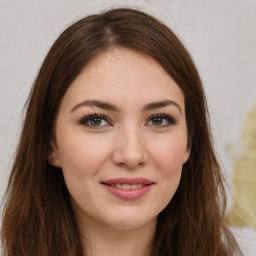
(129, 148)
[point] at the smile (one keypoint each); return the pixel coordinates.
(128, 188)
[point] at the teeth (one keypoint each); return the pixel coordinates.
(119, 186)
(127, 186)
(134, 186)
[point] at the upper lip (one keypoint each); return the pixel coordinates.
(128, 181)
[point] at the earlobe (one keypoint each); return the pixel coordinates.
(186, 156)
(53, 156)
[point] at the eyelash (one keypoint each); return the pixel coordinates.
(84, 121)
(170, 119)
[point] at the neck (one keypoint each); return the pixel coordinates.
(102, 240)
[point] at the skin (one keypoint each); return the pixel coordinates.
(130, 143)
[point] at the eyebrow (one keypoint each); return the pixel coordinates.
(98, 104)
(161, 104)
(111, 107)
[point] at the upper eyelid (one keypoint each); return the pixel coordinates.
(162, 115)
(87, 117)
(95, 115)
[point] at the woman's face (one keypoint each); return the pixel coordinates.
(121, 140)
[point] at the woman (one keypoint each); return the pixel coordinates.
(115, 155)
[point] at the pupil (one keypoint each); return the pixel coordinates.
(157, 121)
(96, 121)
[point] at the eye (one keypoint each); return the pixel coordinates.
(95, 121)
(161, 120)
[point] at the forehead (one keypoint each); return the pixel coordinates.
(124, 75)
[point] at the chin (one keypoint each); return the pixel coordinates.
(131, 222)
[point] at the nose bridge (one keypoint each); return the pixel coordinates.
(130, 146)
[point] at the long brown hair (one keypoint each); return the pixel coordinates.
(38, 218)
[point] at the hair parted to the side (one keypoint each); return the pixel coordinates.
(38, 218)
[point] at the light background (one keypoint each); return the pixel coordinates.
(220, 35)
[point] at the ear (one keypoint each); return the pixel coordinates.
(186, 155)
(53, 156)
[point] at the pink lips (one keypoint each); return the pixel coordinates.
(128, 188)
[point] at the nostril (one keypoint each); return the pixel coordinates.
(122, 164)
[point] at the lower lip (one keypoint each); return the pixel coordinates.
(130, 194)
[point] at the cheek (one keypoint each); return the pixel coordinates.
(82, 155)
(169, 155)
(81, 160)
(168, 159)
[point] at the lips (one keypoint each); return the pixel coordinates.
(128, 188)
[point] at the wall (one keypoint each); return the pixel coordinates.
(220, 34)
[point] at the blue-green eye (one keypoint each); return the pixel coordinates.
(94, 121)
(161, 120)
